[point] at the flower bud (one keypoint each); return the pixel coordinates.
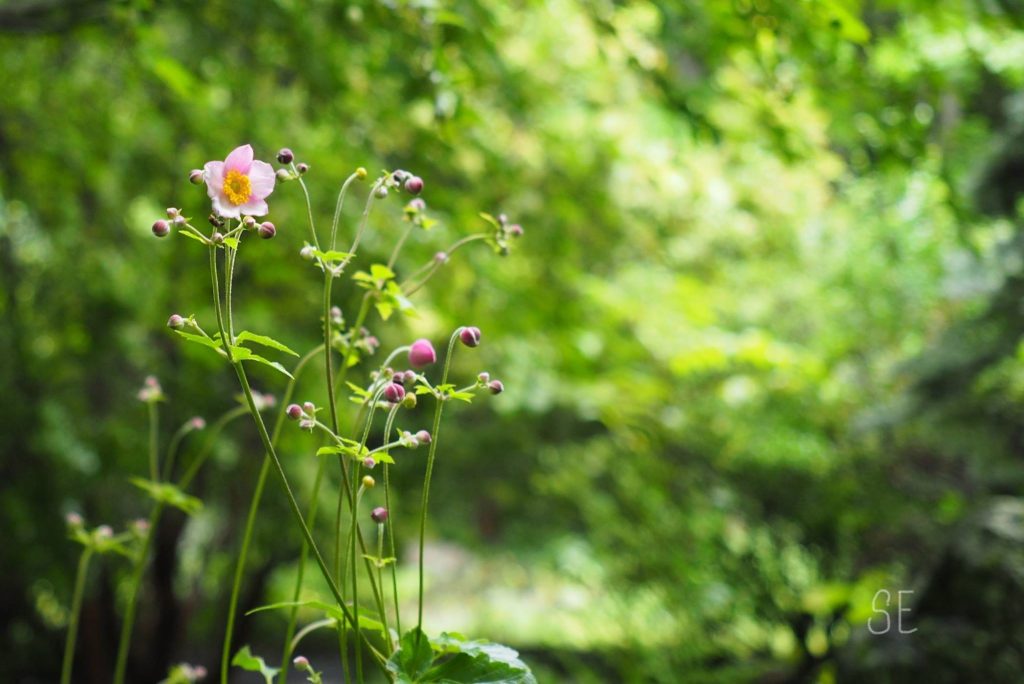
(294, 411)
(381, 192)
(179, 221)
(336, 316)
(140, 526)
(414, 185)
(217, 238)
(308, 252)
(361, 173)
(284, 175)
(394, 393)
(483, 378)
(496, 386)
(301, 663)
(302, 168)
(215, 221)
(161, 228)
(369, 482)
(417, 204)
(410, 401)
(151, 381)
(423, 437)
(172, 212)
(470, 336)
(285, 156)
(369, 463)
(248, 222)
(104, 532)
(515, 230)
(309, 407)
(379, 514)
(197, 423)
(502, 218)
(400, 175)
(175, 322)
(195, 177)
(74, 519)
(421, 353)
(399, 377)
(267, 230)
(441, 257)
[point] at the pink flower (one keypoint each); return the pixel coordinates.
(422, 353)
(239, 185)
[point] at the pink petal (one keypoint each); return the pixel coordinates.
(213, 174)
(240, 159)
(254, 207)
(225, 208)
(262, 179)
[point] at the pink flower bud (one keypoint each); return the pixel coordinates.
(496, 386)
(399, 377)
(470, 336)
(294, 411)
(195, 176)
(394, 393)
(302, 168)
(309, 407)
(369, 463)
(267, 230)
(217, 238)
(301, 662)
(161, 228)
(308, 252)
(417, 205)
(74, 519)
(421, 353)
(414, 185)
(179, 221)
(381, 192)
(379, 514)
(423, 437)
(197, 423)
(104, 532)
(441, 257)
(285, 156)
(483, 378)
(249, 222)
(283, 175)
(172, 212)
(515, 230)
(175, 322)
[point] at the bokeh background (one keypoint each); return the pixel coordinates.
(761, 340)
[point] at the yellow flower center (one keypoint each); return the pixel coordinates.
(237, 187)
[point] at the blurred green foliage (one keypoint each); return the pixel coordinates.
(761, 339)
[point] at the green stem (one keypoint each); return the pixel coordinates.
(309, 207)
(172, 449)
(133, 597)
(435, 434)
(431, 266)
(250, 521)
(337, 209)
(154, 473)
(390, 529)
(76, 610)
(261, 428)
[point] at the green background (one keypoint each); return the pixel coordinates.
(760, 339)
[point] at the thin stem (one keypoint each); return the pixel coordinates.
(154, 427)
(76, 610)
(431, 266)
(268, 446)
(390, 528)
(337, 209)
(229, 278)
(309, 207)
(435, 434)
(197, 462)
(250, 520)
(303, 555)
(398, 246)
(133, 597)
(172, 449)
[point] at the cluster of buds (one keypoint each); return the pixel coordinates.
(151, 391)
(399, 180)
(494, 386)
(265, 230)
(162, 227)
(411, 440)
(361, 341)
(504, 231)
(287, 157)
(305, 414)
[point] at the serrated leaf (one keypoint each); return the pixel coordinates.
(246, 336)
(231, 242)
(169, 494)
(413, 657)
(245, 354)
(247, 661)
(332, 255)
(357, 390)
(200, 340)
(381, 272)
(477, 662)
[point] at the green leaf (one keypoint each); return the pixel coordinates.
(247, 661)
(231, 242)
(384, 308)
(329, 609)
(332, 256)
(413, 657)
(477, 662)
(245, 354)
(190, 234)
(381, 272)
(169, 494)
(200, 340)
(357, 390)
(246, 336)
